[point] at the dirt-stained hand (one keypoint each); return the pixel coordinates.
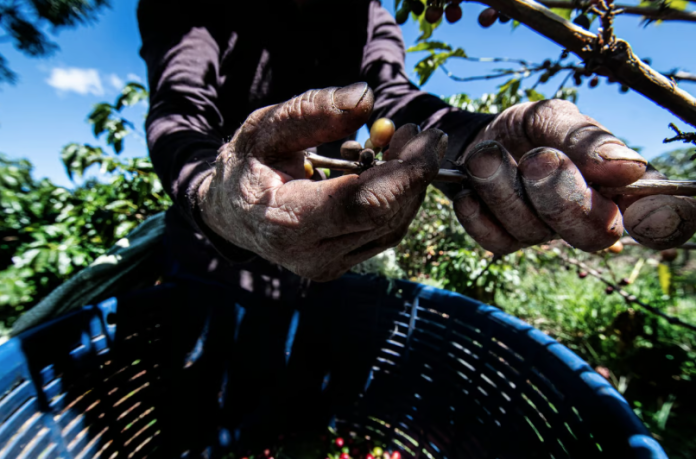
(532, 169)
(258, 198)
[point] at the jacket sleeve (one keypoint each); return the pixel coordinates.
(184, 124)
(397, 98)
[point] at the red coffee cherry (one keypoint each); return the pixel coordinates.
(453, 13)
(433, 14)
(417, 7)
(488, 17)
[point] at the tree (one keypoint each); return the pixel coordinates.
(48, 233)
(24, 23)
(599, 54)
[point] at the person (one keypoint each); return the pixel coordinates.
(237, 91)
(233, 70)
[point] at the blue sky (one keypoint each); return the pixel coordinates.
(47, 108)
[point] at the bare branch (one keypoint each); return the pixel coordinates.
(686, 137)
(630, 241)
(658, 14)
(631, 299)
(611, 59)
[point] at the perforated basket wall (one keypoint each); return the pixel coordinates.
(185, 371)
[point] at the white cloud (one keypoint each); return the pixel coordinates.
(133, 77)
(116, 82)
(81, 81)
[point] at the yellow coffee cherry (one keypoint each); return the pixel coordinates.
(616, 248)
(381, 132)
(369, 145)
(308, 168)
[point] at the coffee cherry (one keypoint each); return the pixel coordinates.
(377, 451)
(594, 82)
(623, 89)
(503, 19)
(417, 7)
(577, 78)
(617, 247)
(396, 455)
(345, 456)
(544, 77)
(453, 13)
(402, 14)
(308, 168)
(625, 281)
(582, 21)
(488, 17)
(350, 150)
(367, 157)
(339, 442)
(669, 255)
(369, 456)
(582, 274)
(433, 14)
(381, 132)
(609, 290)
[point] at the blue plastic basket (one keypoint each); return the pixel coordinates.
(184, 371)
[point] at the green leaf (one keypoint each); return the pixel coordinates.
(565, 13)
(425, 68)
(665, 276)
(425, 27)
(429, 46)
(534, 95)
(131, 94)
(77, 158)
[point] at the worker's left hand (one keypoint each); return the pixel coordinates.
(530, 169)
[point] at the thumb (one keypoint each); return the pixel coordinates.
(315, 117)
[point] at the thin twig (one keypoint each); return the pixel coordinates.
(638, 188)
(627, 296)
(660, 14)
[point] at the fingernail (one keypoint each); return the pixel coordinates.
(485, 160)
(539, 163)
(660, 224)
(348, 97)
(612, 152)
(442, 147)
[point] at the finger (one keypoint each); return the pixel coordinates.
(661, 222)
(602, 158)
(372, 248)
(352, 203)
(481, 225)
(580, 215)
(493, 176)
(315, 117)
(401, 137)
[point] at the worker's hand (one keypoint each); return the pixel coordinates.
(530, 169)
(259, 200)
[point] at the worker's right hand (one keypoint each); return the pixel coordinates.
(258, 199)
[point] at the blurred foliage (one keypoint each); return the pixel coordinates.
(50, 232)
(23, 23)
